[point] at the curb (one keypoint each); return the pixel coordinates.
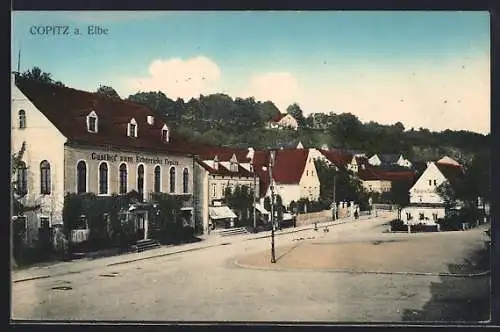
(425, 274)
(179, 252)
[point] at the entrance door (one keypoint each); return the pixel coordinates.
(141, 217)
(44, 235)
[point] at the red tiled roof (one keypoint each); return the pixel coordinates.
(372, 173)
(67, 109)
(277, 118)
(260, 159)
(289, 165)
(338, 157)
(222, 170)
(207, 152)
(450, 171)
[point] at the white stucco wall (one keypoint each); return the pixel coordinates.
(43, 142)
(374, 160)
(309, 182)
(424, 190)
(288, 121)
(415, 212)
(377, 186)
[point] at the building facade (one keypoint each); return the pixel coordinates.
(426, 205)
(215, 170)
(283, 121)
(80, 142)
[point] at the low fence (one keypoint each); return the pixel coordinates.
(387, 207)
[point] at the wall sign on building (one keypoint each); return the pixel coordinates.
(138, 159)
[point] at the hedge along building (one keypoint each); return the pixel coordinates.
(80, 142)
(218, 168)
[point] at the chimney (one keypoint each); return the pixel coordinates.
(151, 120)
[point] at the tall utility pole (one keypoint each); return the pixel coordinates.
(271, 164)
(254, 199)
(334, 198)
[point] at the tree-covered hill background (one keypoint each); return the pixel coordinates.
(223, 120)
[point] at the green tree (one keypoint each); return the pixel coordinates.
(36, 74)
(108, 91)
(400, 194)
(295, 111)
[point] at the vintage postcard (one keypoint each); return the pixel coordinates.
(251, 166)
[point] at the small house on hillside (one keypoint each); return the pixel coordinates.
(389, 160)
(283, 121)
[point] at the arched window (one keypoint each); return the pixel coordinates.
(81, 177)
(157, 185)
(185, 181)
(172, 179)
(22, 119)
(140, 180)
(103, 179)
(123, 178)
(45, 177)
(22, 179)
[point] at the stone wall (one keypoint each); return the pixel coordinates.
(310, 218)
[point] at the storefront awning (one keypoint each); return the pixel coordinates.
(261, 209)
(221, 212)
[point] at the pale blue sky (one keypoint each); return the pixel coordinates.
(421, 68)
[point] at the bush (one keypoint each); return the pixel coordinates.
(397, 225)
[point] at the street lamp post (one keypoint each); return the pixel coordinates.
(271, 164)
(334, 194)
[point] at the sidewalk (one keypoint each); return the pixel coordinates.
(86, 264)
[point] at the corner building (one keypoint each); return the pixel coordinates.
(81, 142)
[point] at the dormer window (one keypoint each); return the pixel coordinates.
(216, 163)
(165, 136)
(92, 122)
(132, 128)
(233, 167)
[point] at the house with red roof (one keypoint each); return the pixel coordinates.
(216, 169)
(82, 142)
(294, 175)
(426, 205)
(379, 180)
(339, 158)
(282, 121)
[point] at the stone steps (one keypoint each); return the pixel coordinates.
(231, 231)
(143, 245)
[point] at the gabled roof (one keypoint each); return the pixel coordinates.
(388, 159)
(289, 165)
(375, 173)
(338, 157)
(450, 172)
(207, 152)
(278, 117)
(68, 108)
(224, 171)
(448, 161)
